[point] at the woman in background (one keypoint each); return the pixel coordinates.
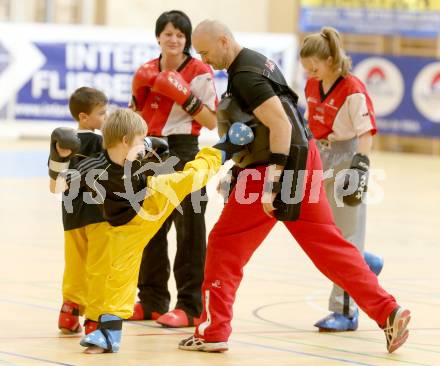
(341, 117)
(176, 111)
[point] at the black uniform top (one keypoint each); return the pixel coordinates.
(106, 182)
(81, 214)
(250, 88)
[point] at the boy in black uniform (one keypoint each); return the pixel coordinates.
(134, 204)
(83, 224)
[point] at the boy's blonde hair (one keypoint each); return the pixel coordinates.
(122, 122)
(327, 43)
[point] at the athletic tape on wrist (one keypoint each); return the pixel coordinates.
(57, 166)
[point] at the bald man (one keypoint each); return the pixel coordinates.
(257, 87)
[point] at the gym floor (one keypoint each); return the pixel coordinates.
(280, 298)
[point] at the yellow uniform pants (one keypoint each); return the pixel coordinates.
(83, 253)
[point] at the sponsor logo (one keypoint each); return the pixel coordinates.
(331, 105)
(426, 92)
(177, 84)
(191, 105)
(319, 118)
(384, 83)
(216, 284)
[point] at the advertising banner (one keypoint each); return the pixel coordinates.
(41, 65)
(414, 18)
(405, 92)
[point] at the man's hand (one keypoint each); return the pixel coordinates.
(268, 206)
(271, 188)
(238, 136)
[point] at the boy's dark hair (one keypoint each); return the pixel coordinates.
(84, 99)
(180, 21)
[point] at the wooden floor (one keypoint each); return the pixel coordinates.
(280, 298)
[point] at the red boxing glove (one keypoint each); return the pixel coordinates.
(172, 85)
(143, 80)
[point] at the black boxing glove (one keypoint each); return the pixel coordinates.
(67, 138)
(359, 165)
(156, 149)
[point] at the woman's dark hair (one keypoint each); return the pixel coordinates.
(180, 21)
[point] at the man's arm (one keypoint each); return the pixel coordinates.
(271, 113)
